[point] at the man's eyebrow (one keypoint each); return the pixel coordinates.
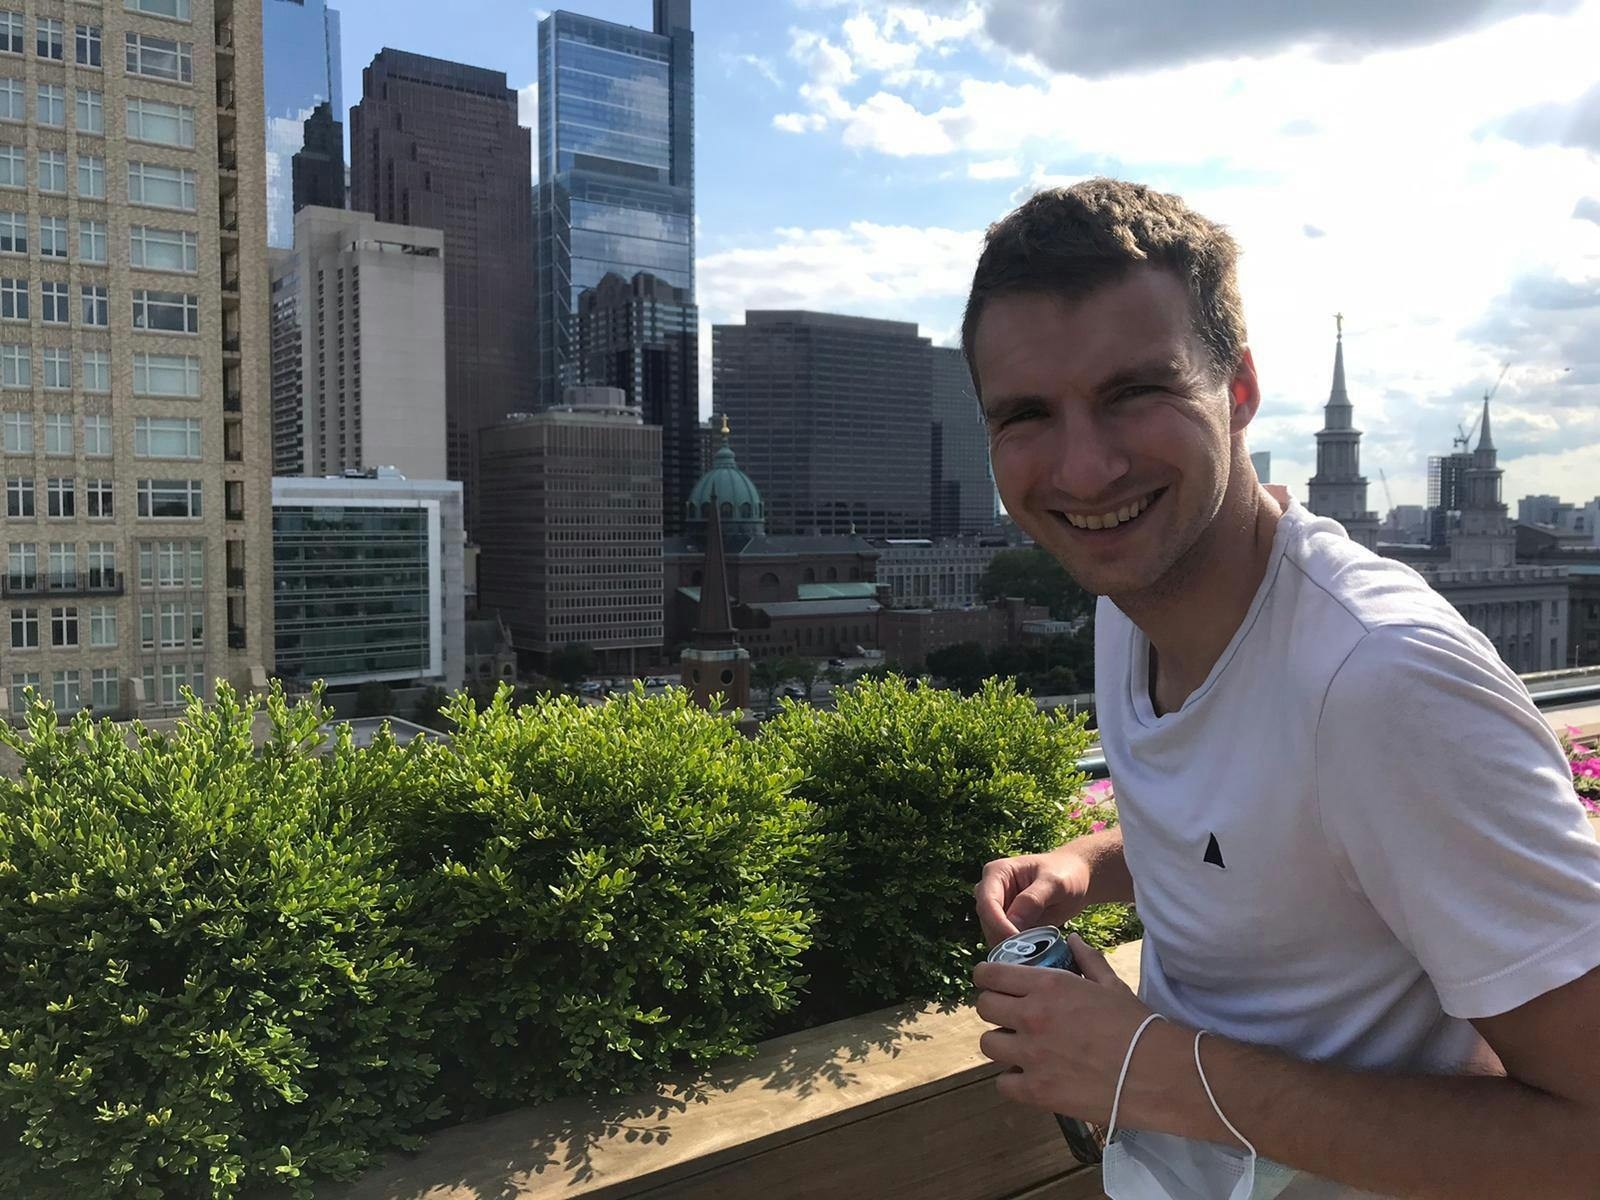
(1006, 405)
(1158, 370)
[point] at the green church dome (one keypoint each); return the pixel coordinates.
(736, 495)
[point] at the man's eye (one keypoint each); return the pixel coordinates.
(1137, 390)
(1026, 414)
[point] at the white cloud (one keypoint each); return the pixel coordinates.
(825, 64)
(887, 123)
(799, 122)
(760, 65)
(528, 118)
(994, 168)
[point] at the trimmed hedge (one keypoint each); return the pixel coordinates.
(237, 968)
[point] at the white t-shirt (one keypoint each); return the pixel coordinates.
(1358, 832)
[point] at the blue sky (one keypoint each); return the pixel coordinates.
(1430, 169)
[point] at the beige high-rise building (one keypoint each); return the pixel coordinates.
(358, 347)
(133, 352)
(570, 538)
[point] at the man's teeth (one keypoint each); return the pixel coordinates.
(1110, 520)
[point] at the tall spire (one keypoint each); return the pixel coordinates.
(1485, 442)
(1338, 395)
(713, 629)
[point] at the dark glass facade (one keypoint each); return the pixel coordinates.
(301, 68)
(643, 336)
(963, 497)
(350, 592)
(833, 419)
(616, 168)
(319, 167)
(437, 144)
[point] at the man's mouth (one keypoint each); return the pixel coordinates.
(1111, 518)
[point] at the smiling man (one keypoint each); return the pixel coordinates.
(1352, 839)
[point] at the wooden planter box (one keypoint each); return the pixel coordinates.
(893, 1105)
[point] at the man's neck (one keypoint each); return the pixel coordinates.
(1190, 623)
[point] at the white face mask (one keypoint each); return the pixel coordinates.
(1140, 1165)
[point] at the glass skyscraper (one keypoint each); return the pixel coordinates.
(300, 70)
(616, 168)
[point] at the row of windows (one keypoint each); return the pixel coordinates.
(158, 499)
(155, 121)
(150, 247)
(153, 437)
(22, 566)
(166, 375)
(150, 184)
(66, 689)
(152, 311)
(144, 54)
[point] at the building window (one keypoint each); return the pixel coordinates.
(14, 299)
(68, 695)
(105, 689)
(63, 565)
(91, 108)
(157, 186)
(13, 100)
(97, 436)
(166, 375)
(177, 9)
(53, 237)
(102, 565)
(50, 107)
(177, 499)
(24, 629)
(166, 437)
(163, 249)
(171, 564)
(97, 377)
(61, 497)
(56, 307)
(166, 312)
(92, 241)
(53, 171)
(64, 626)
(57, 369)
(88, 45)
(19, 433)
(91, 177)
(95, 304)
(103, 626)
(51, 39)
(11, 32)
(16, 366)
(13, 167)
(13, 232)
(19, 497)
(174, 626)
(58, 433)
(159, 122)
(22, 566)
(98, 493)
(147, 627)
(159, 58)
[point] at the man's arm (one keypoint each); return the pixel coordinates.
(1035, 889)
(1109, 880)
(1527, 1132)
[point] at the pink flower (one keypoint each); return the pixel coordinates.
(1574, 731)
(1097, 827)
(1098, 791)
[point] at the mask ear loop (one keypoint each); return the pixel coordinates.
(1116, 1100)
(1215, 1107)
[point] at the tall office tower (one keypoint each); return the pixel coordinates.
(1338, 489)
(358, 324)
(318, 170)
(1261, 460)
(616, 168)
(571, 534)
(437, 144)
(643, 336)
(834, 417)
(133, 354)
(963, 498)
(302, 65)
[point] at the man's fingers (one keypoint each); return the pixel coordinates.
(1091, 962)
(990, 894)
(1027, 907)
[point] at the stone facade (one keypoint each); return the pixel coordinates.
(146, 354)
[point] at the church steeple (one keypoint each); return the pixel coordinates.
(1485, 442)
(716, 669)
(713, 629)
(1338, 489)
(1337, 396)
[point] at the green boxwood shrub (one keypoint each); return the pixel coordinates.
(205, 986)
(603, 893)
(917, 788)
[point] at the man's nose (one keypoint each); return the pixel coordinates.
(1087, 462)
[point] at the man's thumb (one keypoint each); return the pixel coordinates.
(1027, 906)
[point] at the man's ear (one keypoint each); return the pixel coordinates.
(1244, 393)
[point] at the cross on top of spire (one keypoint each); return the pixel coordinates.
(1339, 321)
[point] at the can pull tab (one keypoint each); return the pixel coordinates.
(1021, 948)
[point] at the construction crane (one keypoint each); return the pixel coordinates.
(1463, 440)
(1387, 495)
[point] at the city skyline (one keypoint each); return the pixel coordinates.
(849, 155)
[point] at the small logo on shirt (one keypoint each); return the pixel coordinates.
(1214, 853)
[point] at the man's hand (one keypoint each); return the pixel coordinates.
(1033, 889)
(1062, 1036)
